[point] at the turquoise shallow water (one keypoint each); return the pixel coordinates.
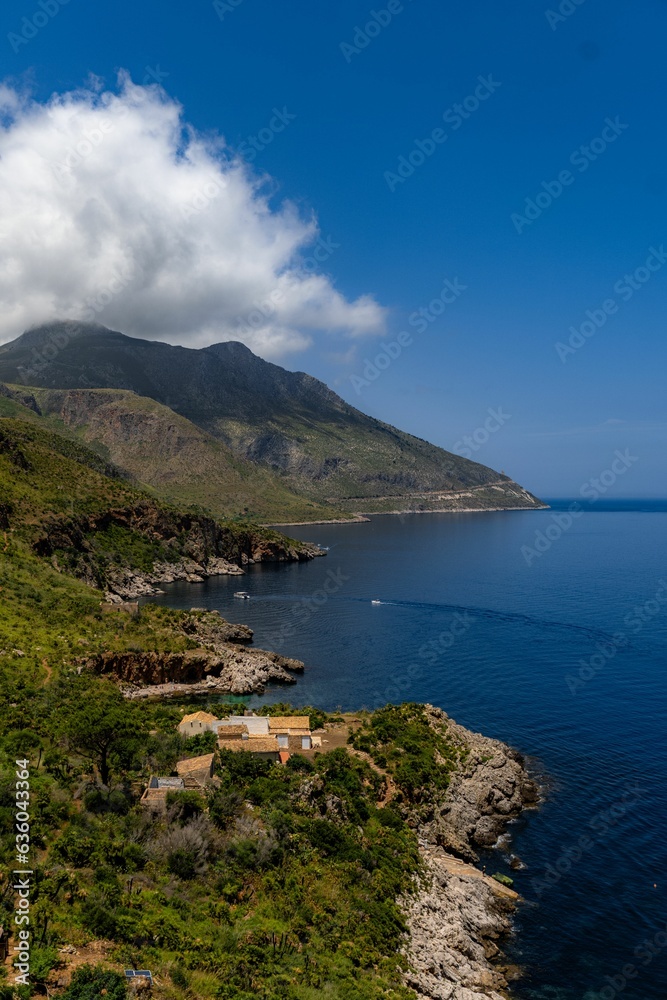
(562, 654)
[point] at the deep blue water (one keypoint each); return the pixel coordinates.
(561, 654)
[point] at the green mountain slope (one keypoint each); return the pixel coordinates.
(287, 422)
(170, 455)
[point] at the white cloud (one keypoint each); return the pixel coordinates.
(113, 209)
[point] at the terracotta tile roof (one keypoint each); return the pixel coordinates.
(281, 723)
(195, 764)
(257, 744)
(284, 756)
(198, 717)
(226, 731)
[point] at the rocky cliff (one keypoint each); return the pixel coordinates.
(459, 915)
(218, 663)
(170, 545)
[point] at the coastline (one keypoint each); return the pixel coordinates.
(459, 915)
(363, 518)
(353, 519)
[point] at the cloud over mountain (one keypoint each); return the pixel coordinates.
(112, 208)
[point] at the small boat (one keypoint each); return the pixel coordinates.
(243, 594)
(376, 602)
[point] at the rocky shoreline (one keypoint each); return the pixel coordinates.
(130, 585)
(218, 663)
(458, 915)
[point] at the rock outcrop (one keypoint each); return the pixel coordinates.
(220, 663)
(490, 788)
(127, 585)
(455, 924)
(173, 675)
(183, 546)
(458, 915)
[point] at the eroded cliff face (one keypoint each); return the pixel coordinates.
(459, 915)
(490, 788)
(455, 925)
(172, 675)
(185, 547)
(220, 663)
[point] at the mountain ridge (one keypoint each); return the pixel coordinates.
(289, 424)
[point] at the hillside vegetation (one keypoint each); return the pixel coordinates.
(70, 504)
(69, 522)
(278, 882)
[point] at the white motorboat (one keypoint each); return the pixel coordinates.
(242, 594)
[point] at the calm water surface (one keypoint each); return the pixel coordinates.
(560, 653)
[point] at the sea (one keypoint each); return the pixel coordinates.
(546, 629)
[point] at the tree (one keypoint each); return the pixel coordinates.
(100, 726)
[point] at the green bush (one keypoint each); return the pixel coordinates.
(184, 806)
(302, 765)
(182, 863)
(115, 801)
(75, 848)
(90, 982)
(224, 806)
(179, 977)
(42, 961)
(200, 744)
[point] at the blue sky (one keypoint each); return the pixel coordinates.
(580, 93)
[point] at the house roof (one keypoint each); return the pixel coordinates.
(232, 731)
(155, 795)
(198, 717)
(281, 723)
(257, 744)
(195, 764)
(168, 782)
(284, 756)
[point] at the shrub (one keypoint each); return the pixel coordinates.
(183, 863)
(42, 960)
(243, 766)
(224, 807)
(74, 847)
(184, 806)
(200, 744)
(101, 920)
(89, 982)
(99, 801)
(179, 977)
(185, 848)
(302, 765)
